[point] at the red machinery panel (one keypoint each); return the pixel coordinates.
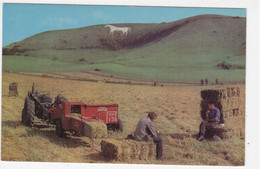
(102, 113)
(71, 114)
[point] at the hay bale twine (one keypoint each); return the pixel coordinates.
(125, 150)
(94, 129)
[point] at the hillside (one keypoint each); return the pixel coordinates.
(184, 50)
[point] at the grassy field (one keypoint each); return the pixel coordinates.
(184, 50)
(178, 108)
(175, 73)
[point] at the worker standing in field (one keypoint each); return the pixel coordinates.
(212, 120)
(145, 131)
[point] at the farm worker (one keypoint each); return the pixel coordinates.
(145, 131)
(212, 120)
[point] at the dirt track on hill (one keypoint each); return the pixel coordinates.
(93, 76)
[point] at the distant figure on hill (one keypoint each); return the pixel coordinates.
(202, 82)
(145, 131)
(212, 120)
(206, 81)
(216, 80)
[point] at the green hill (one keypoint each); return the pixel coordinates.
(186, 50)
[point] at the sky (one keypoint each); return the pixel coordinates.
(24, 20)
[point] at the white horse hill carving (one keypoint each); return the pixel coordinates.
(124, 30)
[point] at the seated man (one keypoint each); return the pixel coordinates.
(212, 120)
(145, 131)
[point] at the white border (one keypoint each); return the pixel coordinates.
(252, 76)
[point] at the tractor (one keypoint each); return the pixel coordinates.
(66, 115)
(36, 104)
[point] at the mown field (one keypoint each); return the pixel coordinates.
(178, 108)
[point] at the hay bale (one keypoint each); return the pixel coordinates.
(229, 103)
(124, 150)
(235, 122)
(234, 102)
(13, 89)
(226, 114)
(45, 75)
(225, 132)
(94, 129)
(221, 93)
(218, 130)
(223, 105)
(211, 95)
(224, 93)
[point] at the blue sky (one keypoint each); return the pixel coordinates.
(23, 20)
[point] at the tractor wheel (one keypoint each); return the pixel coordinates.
(59, 129)
(120, 125)
(30, 112)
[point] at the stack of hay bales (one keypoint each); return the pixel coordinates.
(13, 89)
(229, 103)
(94, 129)
(125, 150)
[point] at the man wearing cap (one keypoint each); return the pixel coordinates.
(145, 131)
(212, 120)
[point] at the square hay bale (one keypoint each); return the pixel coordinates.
(235, 122)
(13, 89)
(235, 103)
(224, 93)
(225, 132)
(221, 93)
(125, 150)
(94, 129)
(226, 114)
(223, 105)
(229, 103)
(218, 130)
(235, 91)
(211, 94)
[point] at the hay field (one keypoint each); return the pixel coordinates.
(178, 108)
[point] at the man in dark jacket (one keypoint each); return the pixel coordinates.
(212, 120)
(145, 131)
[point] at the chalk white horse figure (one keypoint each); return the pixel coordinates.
(124, 30)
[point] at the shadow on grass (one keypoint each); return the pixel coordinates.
(48, 131)
(12, 124)
(98, 157)
(67, 141)
(181, 136)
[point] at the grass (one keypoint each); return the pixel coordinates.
(178, 120)
(162, 73)
(185, 50)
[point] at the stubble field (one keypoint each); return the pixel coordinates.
(178, 108)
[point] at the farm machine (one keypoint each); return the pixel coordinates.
(66, 115)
